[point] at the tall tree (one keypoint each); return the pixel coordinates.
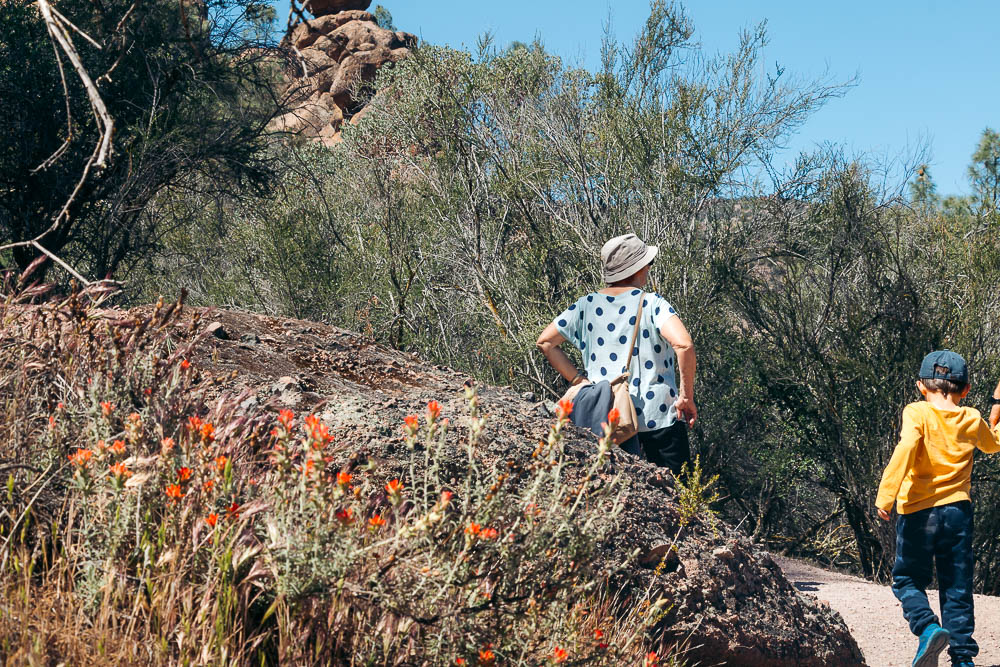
(185, 84)
(984, 175)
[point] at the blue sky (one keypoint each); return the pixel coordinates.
(927, 68)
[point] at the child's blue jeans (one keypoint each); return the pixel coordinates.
(941, 535)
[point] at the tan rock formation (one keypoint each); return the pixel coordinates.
(327, 7)
(335, 59)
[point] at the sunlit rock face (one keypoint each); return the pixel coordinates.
(335, 59)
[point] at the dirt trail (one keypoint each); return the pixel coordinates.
(874, 617)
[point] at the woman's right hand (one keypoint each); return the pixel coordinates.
(686, 410)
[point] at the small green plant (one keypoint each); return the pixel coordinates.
(696, 496)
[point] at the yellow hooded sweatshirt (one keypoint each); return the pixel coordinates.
(932, 463)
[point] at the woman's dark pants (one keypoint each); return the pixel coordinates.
(666, 447)
(942, 536)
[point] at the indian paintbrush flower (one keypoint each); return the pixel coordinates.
(411, 424)
(207, 432)
(120, 471)
(81, 457)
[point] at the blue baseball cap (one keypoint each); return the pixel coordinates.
(953, 361)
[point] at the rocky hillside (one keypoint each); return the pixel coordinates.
(335, 58)
(729, 603)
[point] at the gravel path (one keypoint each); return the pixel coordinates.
(874, 617)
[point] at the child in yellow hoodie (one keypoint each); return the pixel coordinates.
(928, 480)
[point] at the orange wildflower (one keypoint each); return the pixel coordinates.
(174, 491)
(564, 409)
(345, 515)
(489, 534)
(598, 634)
(106, 409)
(559, 655)
(194, 423)
(118, 447)
(184, 474)
(207, 486)
(119, 470)
(81, 458)
(433, 410)
(651, 659)
(472, 529)
(52, 422)
(185, 364)
(212, 519)
(321, 434)
(220, 463)
(167, 444)
(286, 417)
(459, 661)
(207, 432)
(446, 497)
(343, 478)
(394, 487)
(411, 424)
(376, 521)
(614, 416)
(233, 510)
(486, 656)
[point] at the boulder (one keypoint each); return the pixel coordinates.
(320, 8)
(302, 35)
(308, 119)
(719, 594)
(335, 59)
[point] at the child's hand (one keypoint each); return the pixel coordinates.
(882, 514)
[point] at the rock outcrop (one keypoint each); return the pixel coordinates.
(335, 59)
(728, 602)
(325, 7)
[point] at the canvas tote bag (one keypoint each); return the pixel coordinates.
(628, 421)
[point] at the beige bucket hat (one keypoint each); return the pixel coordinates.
(624, 255)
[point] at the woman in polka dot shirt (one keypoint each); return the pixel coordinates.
(600, 325)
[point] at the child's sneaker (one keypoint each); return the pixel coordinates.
(933, 640)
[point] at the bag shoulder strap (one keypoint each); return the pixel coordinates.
(635, 334)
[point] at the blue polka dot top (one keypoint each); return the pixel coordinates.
(601, 325)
